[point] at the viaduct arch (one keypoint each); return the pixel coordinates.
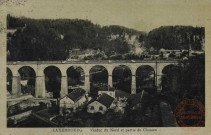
(28, 78)
(145, 77)
(98, 76)
(75, 77)
(122, 76)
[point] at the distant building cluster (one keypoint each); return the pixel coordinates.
(170, 54)
(136, 53)
(116, 100)
(78, 54)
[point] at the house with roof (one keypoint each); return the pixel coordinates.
(137, 100)
(110, 93)
(101, 105)
(73, 100)
(120, 99)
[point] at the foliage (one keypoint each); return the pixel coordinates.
(192, 82)
(176, 37)
(194, 78)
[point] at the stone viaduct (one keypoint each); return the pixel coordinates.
(39, 67)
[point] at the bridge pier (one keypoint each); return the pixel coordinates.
(133, 79)
(16, 85)
(110, 82)
(110, 72)
(64, 86)
(40, 91)
(133, 85)
(40, 87)
(159, 82)
(87, 83)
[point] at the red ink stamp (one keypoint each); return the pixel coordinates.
(190, 113)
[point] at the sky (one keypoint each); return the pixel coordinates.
(141, 15)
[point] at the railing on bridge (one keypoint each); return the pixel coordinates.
(90, 62)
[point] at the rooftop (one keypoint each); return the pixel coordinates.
(105, 100)
(121, 94)
(137, 98)
(76, 94)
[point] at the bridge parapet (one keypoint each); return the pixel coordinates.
(89, 62)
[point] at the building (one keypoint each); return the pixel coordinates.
(121, 95)
(196, 52)
(73, 100)
(101, 105)
(137, 100)
(166, 53)
(78, 54)
(120, 101)
(110, 93)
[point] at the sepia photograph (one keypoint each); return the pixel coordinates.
(104, 64)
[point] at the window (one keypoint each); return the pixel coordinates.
(100, 108)
(92, 108)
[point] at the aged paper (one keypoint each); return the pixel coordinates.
(104, 67)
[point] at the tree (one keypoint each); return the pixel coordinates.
(175, 37)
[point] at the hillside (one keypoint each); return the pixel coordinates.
(45, 39)
(176, 37)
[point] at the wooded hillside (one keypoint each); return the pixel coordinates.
(44, 39)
